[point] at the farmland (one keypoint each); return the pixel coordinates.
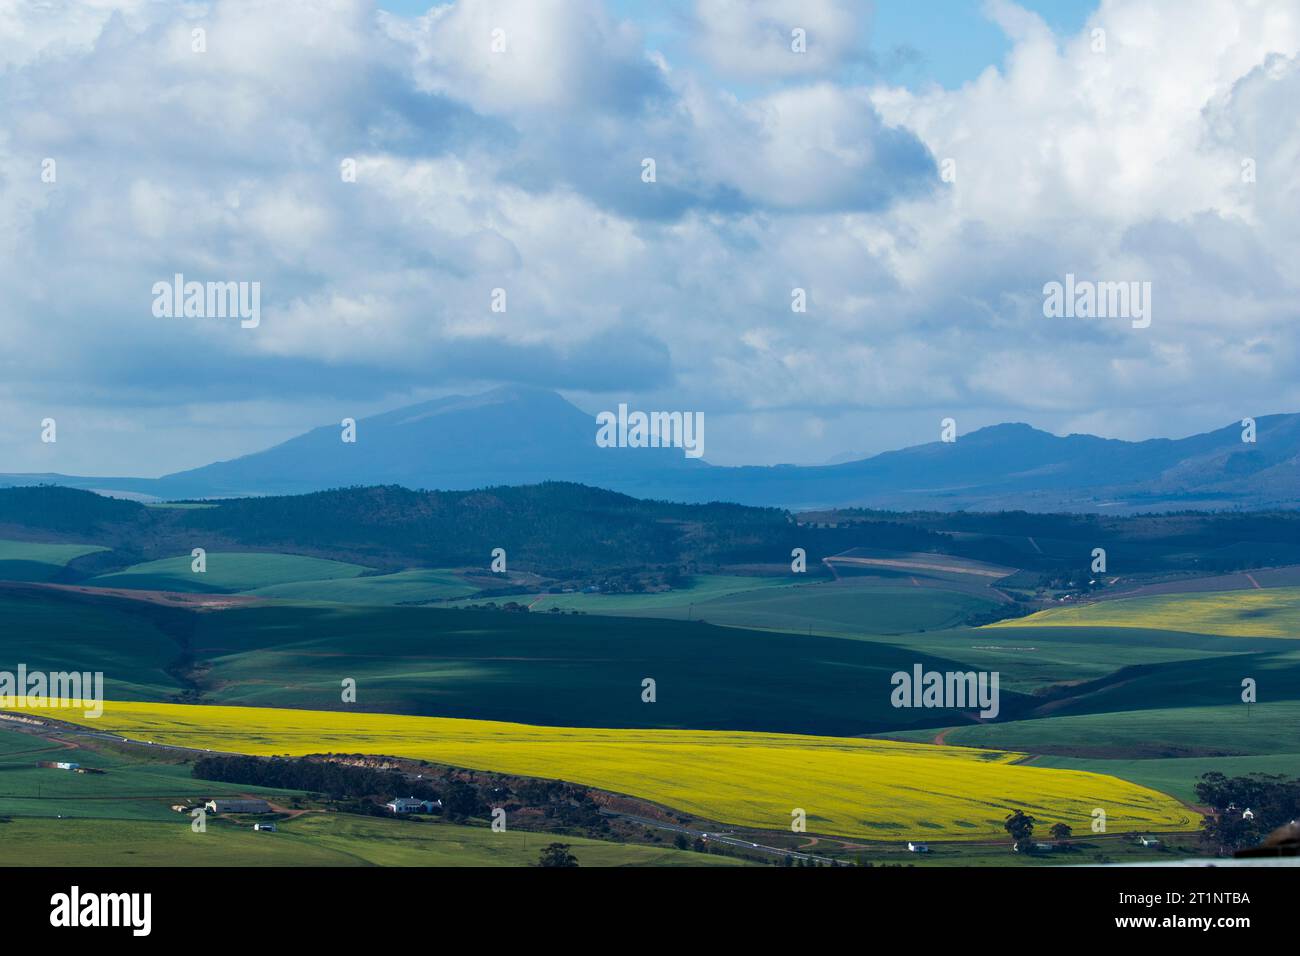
(34, 561)
(400, 587)
(551, 668)
(848, 787)
(61, 634)
(1271, 612)
(772, 689)
(227, 572)
(327, 840)
(128, 789)
(123, 817)
(849, 608)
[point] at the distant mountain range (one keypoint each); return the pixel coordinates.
(518, 436)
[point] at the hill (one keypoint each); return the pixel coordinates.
(571, 530)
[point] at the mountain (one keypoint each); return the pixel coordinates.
(519, 436)
(515, 435)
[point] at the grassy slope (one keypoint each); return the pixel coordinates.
(227, 572)
(402, 587)
(587, 670)
(36, 561)
(55, 635)
(849, 608)
(1034, 658)
(846, 608)
(129, 790)
(1272, 612)
(309, 840)
(847, 786)
(554, 669)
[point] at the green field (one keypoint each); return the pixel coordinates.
(555, 669)
(34, 561)
(559, 669)
(848, 608)
(1270, 612)
(587, 670)
(1031, 659)
(227, 572)
(59, 633)
(314, 839)
(402, 587)
(128, 790)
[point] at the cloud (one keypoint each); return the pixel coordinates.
(757, 39)
(521, 170)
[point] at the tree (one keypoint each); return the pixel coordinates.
(557, 854)
(1021, 827)
(1273, 801)
(462, 800)
(1061, 832)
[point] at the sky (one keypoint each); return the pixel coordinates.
(917, 174)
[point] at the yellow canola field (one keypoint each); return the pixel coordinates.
(874, 789)
(1271, 612)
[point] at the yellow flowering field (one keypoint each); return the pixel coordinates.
(1270, 612)
(847, 786)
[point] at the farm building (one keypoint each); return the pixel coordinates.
(264, 827)
(917, 847)
(238, 806)
(1148, 841)
(58, 764)
(412, 805)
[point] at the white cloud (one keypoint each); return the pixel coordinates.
(521, 170)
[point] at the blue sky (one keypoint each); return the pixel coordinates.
(918, 176)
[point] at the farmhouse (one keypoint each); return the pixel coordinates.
(412, 805)
(264, 827)
(917, 847)
(1148, 841)
(238, 806)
